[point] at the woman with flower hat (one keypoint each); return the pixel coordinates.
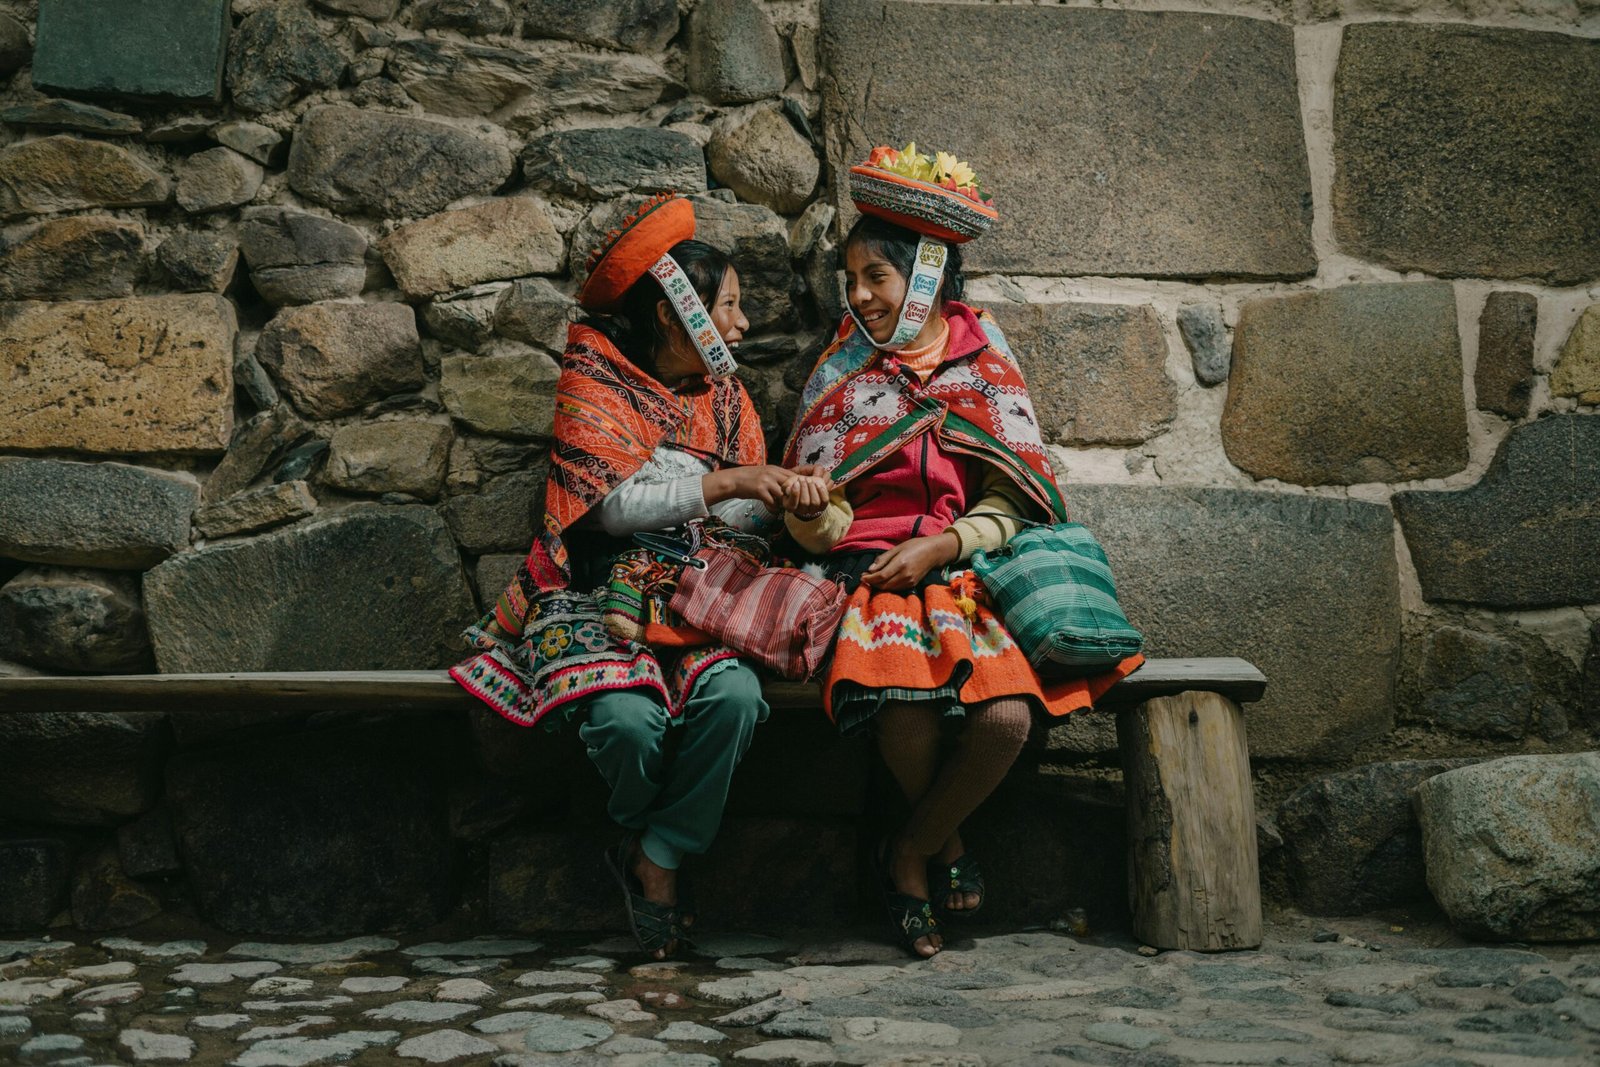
(651, 430)
(920, 414)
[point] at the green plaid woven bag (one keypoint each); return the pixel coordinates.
(1053, 589)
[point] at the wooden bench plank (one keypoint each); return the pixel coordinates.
(411, 691)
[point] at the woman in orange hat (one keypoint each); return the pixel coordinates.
(920, 414)
(651, 430)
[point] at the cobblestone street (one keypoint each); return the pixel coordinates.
(1365, 993)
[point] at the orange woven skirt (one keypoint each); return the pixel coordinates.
(931, 646)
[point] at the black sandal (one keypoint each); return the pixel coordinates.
(654, 926)
(964, 876)
(911, 917)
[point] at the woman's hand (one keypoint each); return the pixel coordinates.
(907, 563)
(806, 495)
(764, 483)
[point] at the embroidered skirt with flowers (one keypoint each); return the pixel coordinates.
(567, 653)
(942, 646)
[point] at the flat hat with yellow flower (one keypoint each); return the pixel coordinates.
(937, 196)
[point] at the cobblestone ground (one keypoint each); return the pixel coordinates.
(1035, 997)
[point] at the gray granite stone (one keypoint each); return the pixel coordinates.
(277, 54)
(471, 17)
(526, 91)
(1207, 337)
(105, 898)
(389, 457)
(1504, 376)
(215, 179)
(198, 262)
(407, 623)
(256, 509)
(332, 952)
(84, 514)
(605, 162)
(364, 162)
(735, 55)
(566, 1035)
(1509, 846)
(74, 620)
(334, 358)
(419, 1011)
(1519, 538)
(1502, 685)
(761, 156)
(81, 768)
(170, 48)
(634, 25)
(71, 115)
(1096, 372)
(1351, 841)
(508, 396)
(299, 258)
(1356, 384)
(1331, 658)
(1210, 180)
(1415, 105)
(443, 1046)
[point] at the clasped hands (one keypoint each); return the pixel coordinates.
(803, 493)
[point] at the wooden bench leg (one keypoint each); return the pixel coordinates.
(1193, 881)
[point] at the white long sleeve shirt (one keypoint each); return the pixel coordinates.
(667, 492)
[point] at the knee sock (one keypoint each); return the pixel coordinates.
(991, 739)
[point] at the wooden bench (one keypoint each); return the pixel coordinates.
(1193, 878)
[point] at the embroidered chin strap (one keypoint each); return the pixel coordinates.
(927, 271)
(696, 321)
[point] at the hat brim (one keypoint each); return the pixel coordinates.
(647, 238)
(920, 206)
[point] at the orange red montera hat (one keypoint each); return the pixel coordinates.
(629, 251)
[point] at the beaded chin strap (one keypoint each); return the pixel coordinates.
(696, 320)
(927, 271)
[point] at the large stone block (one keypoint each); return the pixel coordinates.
(1351, 842)
(333, 358)
(1524, 536)
(798, 765)
(389, 457)
(1461, 151)
(636, 25)
(805, 869)
(169, 48)
(33, 881)
(507, 237)
(1590, 705)
(1503, 379)
(81, 768)
(509, 396)
(75, 258)
(1501, 686)
(256, 509)
(735, 55)
(1358, 384)
(1096, 372)
(65, 173)
(74, 621)
(1303, 587)
(371, 163)
(499, 517)
(321, 832)
(1175, 146)
(553, 880)
(140, 375)
(1510, 846)
(612, 162)
(370, 588)
(1577, 372)
(524, 91)
(92, 514)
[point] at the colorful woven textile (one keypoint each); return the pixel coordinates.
(935, 646)
(858, 408)
(610, 416)
(920, 206)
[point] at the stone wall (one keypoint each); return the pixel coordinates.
(1308, 292)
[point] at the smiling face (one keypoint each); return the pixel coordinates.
(874, 287)
(676, 357)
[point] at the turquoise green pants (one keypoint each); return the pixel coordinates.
(673, 793)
